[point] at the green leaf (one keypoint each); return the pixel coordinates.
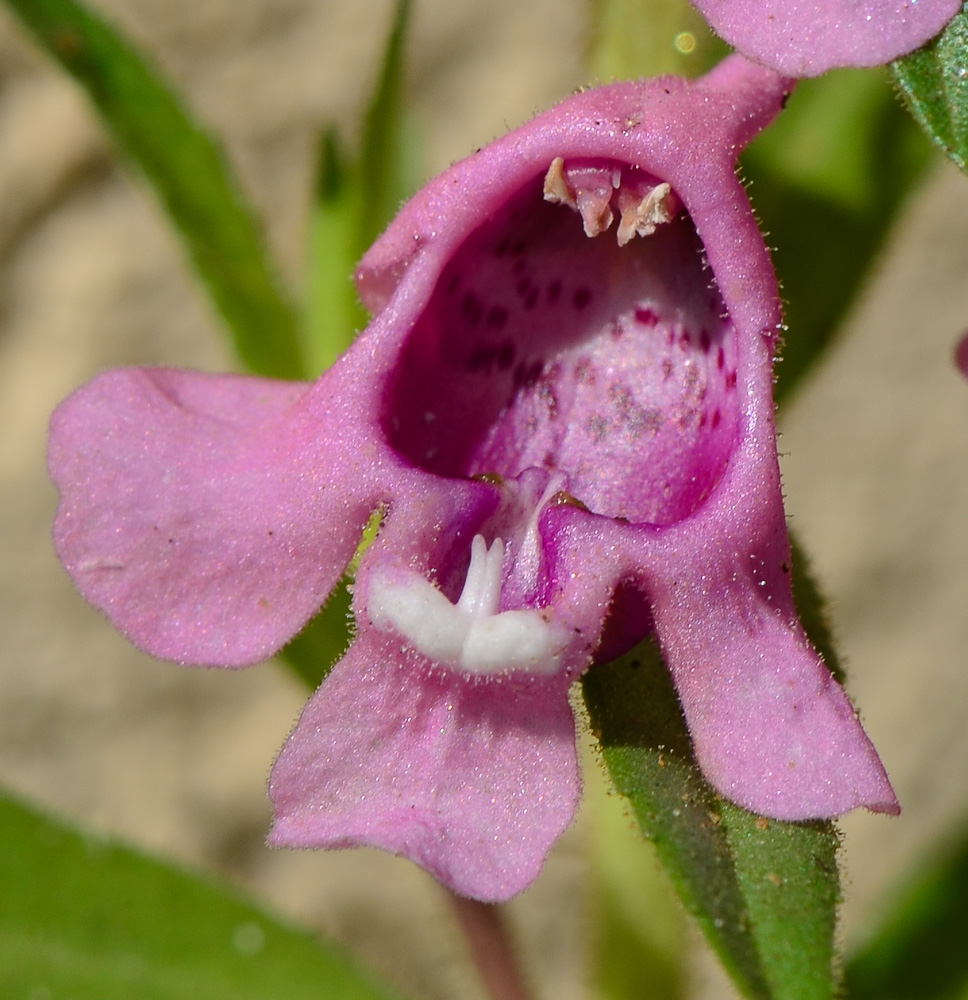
(827, 180)
(764, 892)
(636, 928)
(334, 314)
(86, 919)
(187, 171)
(383, 138)
(313, 652)
(633, 38)
(812, 609)
(918, 952)
(934, 81)
(355, 199)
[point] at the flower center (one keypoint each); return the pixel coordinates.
(610, 362)
(473, 635)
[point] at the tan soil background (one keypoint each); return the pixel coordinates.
(876, 467)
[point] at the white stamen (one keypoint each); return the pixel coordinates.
(472, 635)
(481, 595)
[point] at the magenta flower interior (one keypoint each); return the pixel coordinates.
(608, 368)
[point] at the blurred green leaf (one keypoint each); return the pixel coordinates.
(918, 952)
(334, 313)
(828, 179)
(314, 651)
(355, 199)
(188, 172)
(812, 609)
(382, 161)
(631, 38)
(636, 929)
(85, 919)
(934, 81)
(764, 892)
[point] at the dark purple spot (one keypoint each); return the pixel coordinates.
(720, 358)
(703, 420)
(471, 309)
(531, 299)
(502, 248)
(554, 291)
(685, 338)
(671, 337)
(581, 298)
(731, 380)
(704, 341)
(481, 359)
(717, 418)
(505, 355)
(452, 283)
(667, 367)
(525, 374)
(497, 316)
(518, 247)
(645, 316)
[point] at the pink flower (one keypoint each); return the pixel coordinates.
(564, 395)
(809, 37)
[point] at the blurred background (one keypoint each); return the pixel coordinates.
(874, 442)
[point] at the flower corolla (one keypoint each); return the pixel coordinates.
(563, 407)
(809, 37)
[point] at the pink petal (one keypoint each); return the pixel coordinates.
(771, 728)
(809, 37)
(204, 532)
(473, 781)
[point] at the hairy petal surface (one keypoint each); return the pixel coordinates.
(199, 512)
(772, 729)
(809, 37)
(474, 780)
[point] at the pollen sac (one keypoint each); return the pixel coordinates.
(595, 191)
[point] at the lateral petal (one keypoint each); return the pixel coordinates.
(202, 514)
